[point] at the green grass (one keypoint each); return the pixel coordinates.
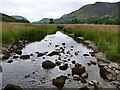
(105, 36)
(13, 32)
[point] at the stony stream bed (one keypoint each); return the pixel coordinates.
(29, 73)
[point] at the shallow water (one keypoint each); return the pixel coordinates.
(16, 71)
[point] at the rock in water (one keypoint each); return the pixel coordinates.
(78, 70)
(93, 62)
(48, 64)
(59, 81)
(53, 53)
(63, 67)
(19, 52)
(1, 69)
(24, 56)
(84, 88)
(107, 73)
(12, 87)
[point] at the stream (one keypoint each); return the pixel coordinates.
(29, 73)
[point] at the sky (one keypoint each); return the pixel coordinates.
(35, 10)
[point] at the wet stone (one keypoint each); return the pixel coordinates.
(19, 52)
(78, 70)
(85, 54)
(48, 64)
(14, 57)
(73, 61)
(63, 67)
(93, 62)
(83, 81)
(12, 87)
(10, 61)
(24, 56)
(1, 69)
(59, 81)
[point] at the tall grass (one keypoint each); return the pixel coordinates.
(105, 36)
(12, 32)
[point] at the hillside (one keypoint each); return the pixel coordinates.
(100, 12)
(43, 21)
(7, 18)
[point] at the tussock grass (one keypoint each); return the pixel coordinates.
(105, 36)
(12, 32)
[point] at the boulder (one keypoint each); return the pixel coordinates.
(107, 73)
(48, 64)
(12, 87)
(63, 67)
(59, 81)
(78, 70)
(24, 56)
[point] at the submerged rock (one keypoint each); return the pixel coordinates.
(78, 70)
(12, 87)
(59, 81)
(24, 56)
(48, 64)
(107, 73)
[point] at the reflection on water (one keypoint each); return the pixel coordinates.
(18, 71)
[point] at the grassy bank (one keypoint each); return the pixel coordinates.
(12, 32)
(105, 36)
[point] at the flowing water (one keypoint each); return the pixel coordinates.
(30, 74)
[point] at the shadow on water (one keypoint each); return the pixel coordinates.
(30, 74)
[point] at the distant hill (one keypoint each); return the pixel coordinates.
(7, 18)
(19, 17)
(43, 21)
(98, 13)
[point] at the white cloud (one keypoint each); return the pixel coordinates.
(35, 10)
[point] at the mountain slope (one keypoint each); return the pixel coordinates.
(7, 18)
(43, 21)
(100, 12)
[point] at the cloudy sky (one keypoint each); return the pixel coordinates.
(35, 10)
